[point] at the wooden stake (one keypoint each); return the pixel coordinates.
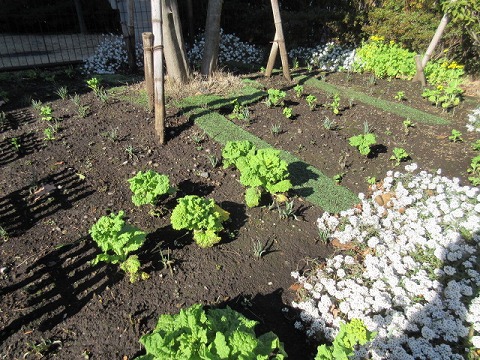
(147, 38)
(156, 7)
(278, 43)
(420, 75)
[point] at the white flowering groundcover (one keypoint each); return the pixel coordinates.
(111, 56)
(412, 274)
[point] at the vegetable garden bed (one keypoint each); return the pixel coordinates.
(56, 304)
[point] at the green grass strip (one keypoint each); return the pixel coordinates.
(388, 106)
(307, 181)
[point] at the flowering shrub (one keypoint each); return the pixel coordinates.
(231, 49)
(389, 59)
(474, 120)
(111, 56)
(415, 277)
(328, 57)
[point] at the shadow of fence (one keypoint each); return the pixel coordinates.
(23, 208)
(55, 287)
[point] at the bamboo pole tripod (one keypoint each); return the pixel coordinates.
(278, 43)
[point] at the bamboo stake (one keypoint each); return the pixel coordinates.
(147, 38)
(278, 43)
(131, 36)
(158, 69)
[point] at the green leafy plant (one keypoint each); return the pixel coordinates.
(343, 347)
(474, 170)
(287, 112)
(212, 334)
(62, 92)
(148, 186)
(400, 96)
(83, 111)
(298, 90)
(276, 97)
(399, 155)
(15, 143)
(46, 113)
(260, 170)
(329, 124)
(117, 240)
(335, 104)
(234, 150)
(476, 145)
(239, 112)
(36, 104)
(276, 129)
(75, 99)
(371, 180)
(456, 136)
(311, 101)
(202, 216)
(49, 133)
(363, 142)
(94, 84)
(259, 249)
(338, 178)
(445, 96)
(407, 124)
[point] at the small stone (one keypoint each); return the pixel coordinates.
(204, 174)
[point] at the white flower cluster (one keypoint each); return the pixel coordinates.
(414, 271)
(474, 120)
(327, 57)
(231, 49)
(111, 56)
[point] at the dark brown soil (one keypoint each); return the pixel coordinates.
(52, 192)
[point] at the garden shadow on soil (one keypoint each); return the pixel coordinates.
(27, 144)
(22, 208)
(55, 287)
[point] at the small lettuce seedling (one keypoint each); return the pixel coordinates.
(474, 170)
(148, 186)
(311, 101)
(275, 97)
(456, 136)
(202, 216)
(298, 90)
(212, 334)
(117, 240)
(399, 155)
(350, 335)
(287, 112)
(363, 142)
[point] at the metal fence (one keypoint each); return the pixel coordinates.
(41, 35)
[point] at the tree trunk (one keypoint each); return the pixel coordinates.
(175, 54)
(212, 37)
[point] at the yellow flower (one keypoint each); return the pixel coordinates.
(439, 87)
(392, 42)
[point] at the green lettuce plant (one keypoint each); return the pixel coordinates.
(287, 112)
(275, 97)
(350, 335)
(234, 150)
(117, 240)
(363, 142)
(239, 111)
(311, 101)
(298, 90)
(456, 136)
(46, 113)
(148, 186)
(202, 216)
(206, 335)
(399, 155)
(260, 170)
